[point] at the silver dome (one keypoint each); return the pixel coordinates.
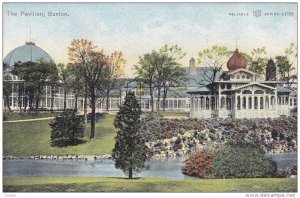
(26, 53)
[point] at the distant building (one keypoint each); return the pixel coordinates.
(240, 93)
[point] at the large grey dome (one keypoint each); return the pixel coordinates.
(26, 53)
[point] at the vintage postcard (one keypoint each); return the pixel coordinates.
(150, 97)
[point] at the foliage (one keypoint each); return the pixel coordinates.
(65, 77)
(242, 161)
(161, 70)
(96, 67)
(35, 75)
(67, 129)
(257, 60)
(130, 152)
(199, 164)
(212, 59)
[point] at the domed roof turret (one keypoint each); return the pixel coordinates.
(236, 61)
(26, 53)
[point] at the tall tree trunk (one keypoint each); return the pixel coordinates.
(151, 98)
(7, 103)
(107, 100)
(130, 173)
(93, 116)
(75, 104)
(158, 98)
(65, 100)
(85, 103)
(25, 102)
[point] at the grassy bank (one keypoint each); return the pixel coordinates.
(96, 184)
(170, 113)
(33, 138)
(26, 116)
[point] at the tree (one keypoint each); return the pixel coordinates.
(146, 72)
(161, 70)
(114, 72)
(78, 83)
(7, 87)
(65, 80)
(170, 73)
(67, 129)
(257, 60)
(93, 65)
(212, 59)
(285, 64)
(130, 152)
(35, 75)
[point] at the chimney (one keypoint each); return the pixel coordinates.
(193, 71)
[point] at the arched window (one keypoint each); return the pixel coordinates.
(272, 101)
(179, 104)
(175, 104)
(286, 100)
(201, 102)
(171, 103)
(207, 103)
(196, 105)
(228, 86)
(238, 102)
(267, 102)
(279, 100)
(222, 86)
(261, 100)
(255, 103)
(228, 103)
(232, 76)
(222, 102)
(212, 103)
(244, 102)
(250, 102)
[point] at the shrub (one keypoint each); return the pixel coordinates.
(199, 164)
(242, 161)
(67, 129)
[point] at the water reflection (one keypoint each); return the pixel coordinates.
(164, 168)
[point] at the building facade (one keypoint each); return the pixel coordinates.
(240, 93)
(237, 93)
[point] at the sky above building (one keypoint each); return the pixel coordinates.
(138, 28)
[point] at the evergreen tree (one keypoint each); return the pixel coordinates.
(67, 129)
(130, 152)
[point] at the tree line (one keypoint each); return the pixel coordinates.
(92, 74)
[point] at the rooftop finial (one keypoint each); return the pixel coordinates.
(236, 42)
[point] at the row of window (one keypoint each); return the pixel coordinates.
(240, 76)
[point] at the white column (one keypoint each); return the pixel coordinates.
(12, 95)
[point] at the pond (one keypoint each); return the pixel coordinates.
(165, 168)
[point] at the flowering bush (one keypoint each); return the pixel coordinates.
(199, 164)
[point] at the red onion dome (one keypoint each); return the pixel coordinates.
(236, 61)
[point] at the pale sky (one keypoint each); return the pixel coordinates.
(138, 28)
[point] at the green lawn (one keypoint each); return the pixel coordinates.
(33, 138)
(100, 184)
(25, 116)
(171, 113)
